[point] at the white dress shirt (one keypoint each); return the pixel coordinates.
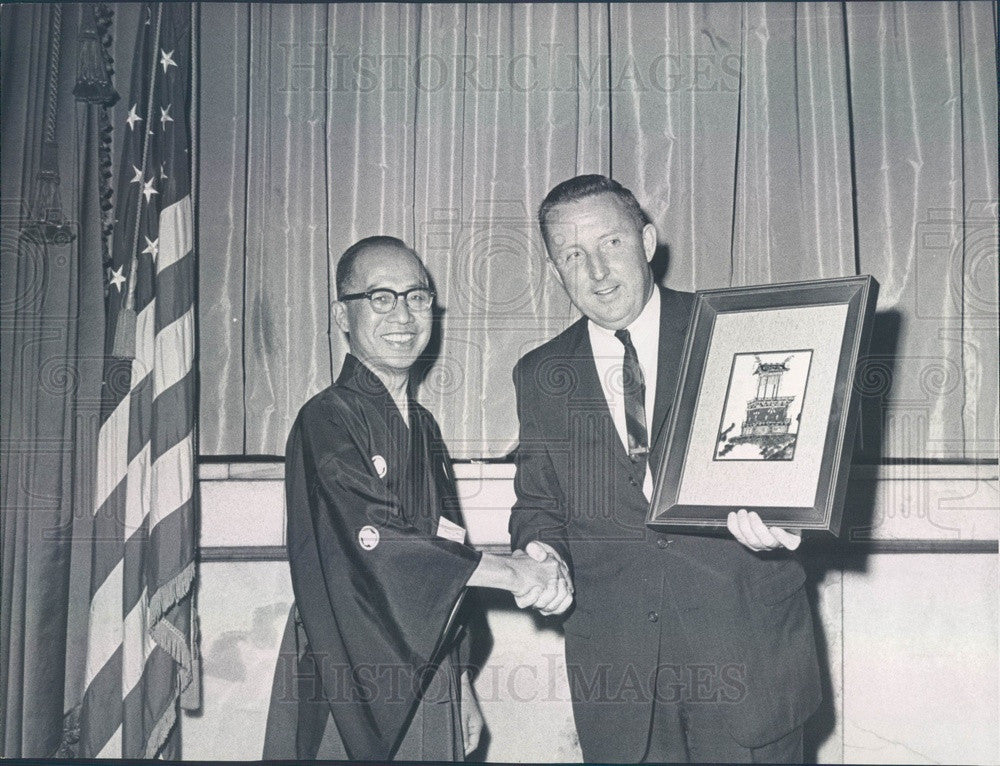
(609, 356)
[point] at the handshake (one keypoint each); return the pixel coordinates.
(541, 579)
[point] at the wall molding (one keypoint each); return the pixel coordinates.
(894, 507)
(255, 553)
(273, 469)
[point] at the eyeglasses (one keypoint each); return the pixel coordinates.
(383, 300)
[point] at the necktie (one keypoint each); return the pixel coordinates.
(634, 385)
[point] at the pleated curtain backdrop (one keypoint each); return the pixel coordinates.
(803, 141)
(52, 315)
(768, 142)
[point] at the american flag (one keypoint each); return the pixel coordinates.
(142, 662)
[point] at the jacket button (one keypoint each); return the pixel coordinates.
(653, 616)
(632, 481)
(662, 542)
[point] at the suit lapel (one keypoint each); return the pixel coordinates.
(590, 395)
(673, 330)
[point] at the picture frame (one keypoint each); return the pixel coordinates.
(765, 411)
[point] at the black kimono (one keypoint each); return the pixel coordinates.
(376, 585)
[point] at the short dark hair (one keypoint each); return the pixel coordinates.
(585, 186)
(345, 266)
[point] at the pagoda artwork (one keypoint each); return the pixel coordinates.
(763, 406)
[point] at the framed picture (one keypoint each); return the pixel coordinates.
(765, 410)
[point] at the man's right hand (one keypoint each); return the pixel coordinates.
(537, 576)
(543, 579)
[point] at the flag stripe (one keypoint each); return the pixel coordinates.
(113, 748)
(136, 644)
(176, 229)
(134, 569)
(174, 352)
(144, 336)
(171, 540)
(117, 381)
(145, 703)
(173, 475)
(137, 501)
(173, 291)
(140, 424)
(107, 537)
(169, 414)
(112, 449)
(97, 724)
(105, 623)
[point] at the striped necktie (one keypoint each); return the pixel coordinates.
(634, 385)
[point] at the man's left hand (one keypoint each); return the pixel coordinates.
(472, 716)
(757, 536)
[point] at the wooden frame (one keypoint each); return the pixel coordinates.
(765, 410)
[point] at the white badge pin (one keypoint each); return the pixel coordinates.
(380, 466)
(368, 537)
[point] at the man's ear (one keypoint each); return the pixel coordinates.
(649, 241)
(340, 316)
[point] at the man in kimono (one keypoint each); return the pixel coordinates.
(373, 664)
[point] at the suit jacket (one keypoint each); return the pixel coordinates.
(744, 615)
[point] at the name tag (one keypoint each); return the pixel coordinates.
(450, 531)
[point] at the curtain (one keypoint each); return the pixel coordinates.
(51, 350)
(769, 142)
(53, 325)
(802, 141)
(416, 121)
(924, 86)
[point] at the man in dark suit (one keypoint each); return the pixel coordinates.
(681, 647)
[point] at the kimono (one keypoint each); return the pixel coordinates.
(378, 567)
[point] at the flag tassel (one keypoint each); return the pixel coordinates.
(181, 648)
(124, 342)
(174, 643)
(123, 346)
(160, 732)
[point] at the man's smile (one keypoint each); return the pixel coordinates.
(606, 292)
(401, 338)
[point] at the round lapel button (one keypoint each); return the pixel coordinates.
(368, 537)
